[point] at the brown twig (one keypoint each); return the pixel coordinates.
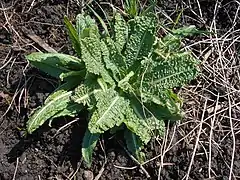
(38, 40)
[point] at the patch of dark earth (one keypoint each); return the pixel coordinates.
(47, 155)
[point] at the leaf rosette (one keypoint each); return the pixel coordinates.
(124, 79)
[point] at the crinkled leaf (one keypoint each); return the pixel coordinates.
(168, 45)
(56, 103)
(92, 56)
(171, 43)
(165, 106)
(54, 63)
(142, 121)
(134, 145)
(113, 59)
(73, 35)
(138, 125)
(142, 36)
(169, 109)
(85, 94)
(69, 85)
(124, 83)
(109, 112)
(88, 145)
(85, 26)
(121, 32)
(186, 31)
(72, 109)
(161, 74)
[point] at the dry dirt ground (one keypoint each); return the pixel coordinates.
(205, 145)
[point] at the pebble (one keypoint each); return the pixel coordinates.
(88, 175)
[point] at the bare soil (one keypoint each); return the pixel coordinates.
(47, 155)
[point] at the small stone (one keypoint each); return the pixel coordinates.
(190, 146)
(88, 175)
(112, 156)
(23, 158)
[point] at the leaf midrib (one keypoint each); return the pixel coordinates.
(141, 43)
(87, 95)
(168, 77)
(47, 105)
(108, 109)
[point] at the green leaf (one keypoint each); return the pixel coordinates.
(113, 59)
(141, 121)
(54, 63)
(92, 56)
(73, 74)
(73, 36)
(109, 112)
(168, 109)
(88, 145)
(138, 125)
(124, 83)
(85, 26)
(186, 31)
(131, 7)
(54, 106)
(85, 94)
(121, 32)
(166, 106)
(142, 36)
(168, 45)
(72, 109)
(134, 145)
(171, 43)
(161, 74)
